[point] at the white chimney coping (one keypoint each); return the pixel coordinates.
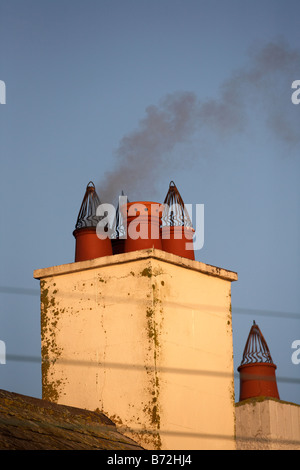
(136, 256)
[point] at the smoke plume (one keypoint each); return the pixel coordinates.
(262, 86)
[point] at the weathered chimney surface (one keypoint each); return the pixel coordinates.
(146, 338)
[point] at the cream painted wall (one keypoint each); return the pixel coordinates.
(267, 424)
(145, 337)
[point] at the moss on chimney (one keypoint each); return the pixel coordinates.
(50, 351)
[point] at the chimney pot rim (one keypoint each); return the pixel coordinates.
(257, 364)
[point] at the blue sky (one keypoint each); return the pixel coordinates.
(82, 78)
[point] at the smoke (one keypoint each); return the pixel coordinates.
(140, 154)
(261, 87)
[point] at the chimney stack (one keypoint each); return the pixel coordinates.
(144, 336)
(257, 371)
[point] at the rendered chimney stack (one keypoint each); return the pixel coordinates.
(177, 230)
(88, 245)
(146, 338)
(257, 371)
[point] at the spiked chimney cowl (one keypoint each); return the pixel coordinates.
(88, 244)
(177, 228)
(257, 371)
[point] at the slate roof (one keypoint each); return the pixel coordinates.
(28, 423)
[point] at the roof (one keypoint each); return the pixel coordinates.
(28, 423)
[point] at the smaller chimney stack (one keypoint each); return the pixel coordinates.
(257, 371)
(88, 245)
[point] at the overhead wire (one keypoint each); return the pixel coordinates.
(236, 310)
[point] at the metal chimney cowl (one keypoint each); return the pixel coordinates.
(118, 230)
(257, 370)
(88, 245)
(177, 227)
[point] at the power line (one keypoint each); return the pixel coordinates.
(118, 365)
(163, 431)
(268, 313)
(235, 310)
(18, 290)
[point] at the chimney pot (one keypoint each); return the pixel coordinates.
(147, 215)
(88, 245)
(257, 371)
(177, 227)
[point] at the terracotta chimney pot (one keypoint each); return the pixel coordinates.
(88, 245)
(257, 371)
